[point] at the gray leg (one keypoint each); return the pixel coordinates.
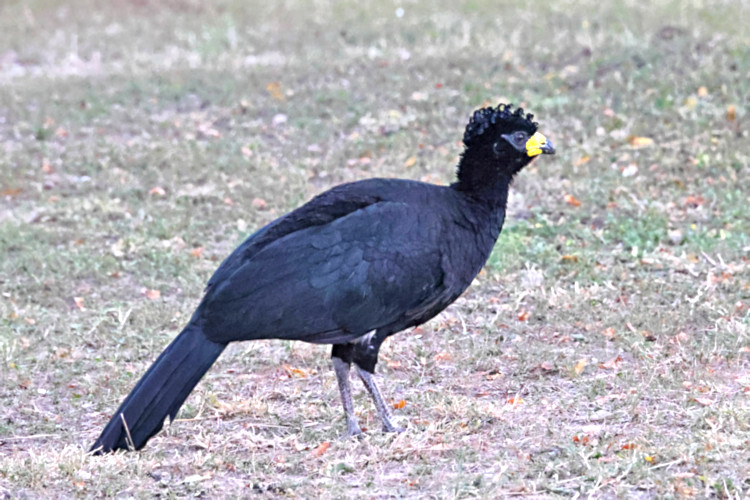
(341, 368)
(380, 404)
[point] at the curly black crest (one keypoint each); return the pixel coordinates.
(502, 118)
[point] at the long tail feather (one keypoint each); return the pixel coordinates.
(160, 392)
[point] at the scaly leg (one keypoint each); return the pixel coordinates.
(380, 404)
(341, 368)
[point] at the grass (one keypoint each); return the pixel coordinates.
(603, 352)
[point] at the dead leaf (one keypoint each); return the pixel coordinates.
(410, 162)
(569, 258)
(583, 439)
(11, 192)
(648, 336)
(679, 338)
(274, 88)
(694, 201)
(582, 161)
(703, 401)
(207, 129)
(640, 142)
(523, 315)
(295, 372)
(399, 404)
(47, 167)
(322, 447)
(514, 401)
(442, 356)
(578, 368)
(613, 363)
(572, 200)
(731, 113)
(609, 333)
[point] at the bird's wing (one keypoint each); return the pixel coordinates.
(321, 210)
(334, 282)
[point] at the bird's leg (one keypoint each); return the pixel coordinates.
(365, 356)
(380, 404)
(341, 368)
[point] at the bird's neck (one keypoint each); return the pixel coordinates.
(481, 179)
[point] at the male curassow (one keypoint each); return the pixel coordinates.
(351, 267)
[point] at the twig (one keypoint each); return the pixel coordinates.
(129, 438)
(200, 419)
(709, 259)
(33, 436)
(667, 464)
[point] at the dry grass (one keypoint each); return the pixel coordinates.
(604, 352)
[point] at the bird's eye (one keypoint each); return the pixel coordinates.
(520, 137)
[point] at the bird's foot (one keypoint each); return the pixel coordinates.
(388, 426)
(353, 429)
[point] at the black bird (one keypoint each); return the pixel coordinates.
(351, 267)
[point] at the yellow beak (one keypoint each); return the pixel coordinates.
(538, 144)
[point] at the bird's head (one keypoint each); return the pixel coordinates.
(499, 143)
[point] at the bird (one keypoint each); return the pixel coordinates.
(351, 267)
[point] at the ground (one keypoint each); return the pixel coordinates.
(603, 352)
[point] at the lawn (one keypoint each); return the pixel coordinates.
(603, 352)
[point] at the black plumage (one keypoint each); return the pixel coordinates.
(351, 267)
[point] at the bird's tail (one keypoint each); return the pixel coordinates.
(160, 392)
